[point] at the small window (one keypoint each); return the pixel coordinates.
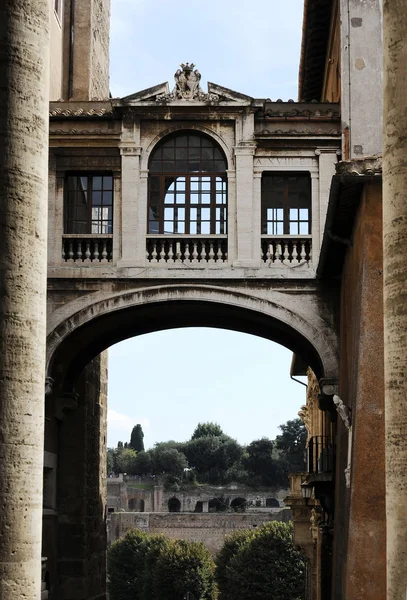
(58, 9)
(89, 204)
(286, 204)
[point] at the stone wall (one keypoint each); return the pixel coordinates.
(360, 525)
(212, 529)
(74, 529)
(145, 495)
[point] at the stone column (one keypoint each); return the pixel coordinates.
(24, 63)
(395, 291)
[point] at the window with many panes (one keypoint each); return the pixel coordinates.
(286, 203)
(89, 204)
(187, 186)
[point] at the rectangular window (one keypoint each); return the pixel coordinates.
(89, 204)
(286, 203)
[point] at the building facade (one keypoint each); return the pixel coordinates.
(179, 206)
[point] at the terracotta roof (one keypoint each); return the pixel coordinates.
(315, 34)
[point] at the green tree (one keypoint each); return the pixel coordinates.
(185, 567)
(136, 438)
(230, 548)
(169, 461)
(266, 565)
(110, 460)
(206, 430)
(259, 461)
(213, 456)
(125, 566)
(291, 445)
(143, 464)
(126, 461)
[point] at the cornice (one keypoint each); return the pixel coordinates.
(80, 109)
(361, 166)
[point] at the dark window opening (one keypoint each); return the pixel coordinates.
(258, 503)
(239, 504)
(272, 503)
(198, 507)
(89, 204)
(187, 187)
(174, 505)
(217, 505)
(286, 204)
(110, 510)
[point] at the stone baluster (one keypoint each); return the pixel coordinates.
(87, 251)
(203, 251)
(286, 254)
(194, 252)
(70, 250)
(24, 117)
(154, 253)
(269, 253)
(63, 250)
(96, 251)
(170, 253)
(178, 252)
(211, 255)
(104, 251)
(162, 251)
(79, 250)
(218, 255)
(278, 251)
(303, 254)
(187, 256)
(294, 254)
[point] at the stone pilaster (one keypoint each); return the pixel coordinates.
(24, 85)
(245, 208)
(395, 291)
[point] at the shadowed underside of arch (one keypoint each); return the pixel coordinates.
(83, 335)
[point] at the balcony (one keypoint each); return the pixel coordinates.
(87, 249)
(320, 455)
(286, 249)
(187, 250)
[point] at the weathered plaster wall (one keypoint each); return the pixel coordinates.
(362, 82)
(90, 53)
(360, 562)
(212, 529)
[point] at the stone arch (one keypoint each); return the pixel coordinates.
(272, 503)
(82, 329)
(217, 505)
(175, 128)
(174, 505)
(238, 504)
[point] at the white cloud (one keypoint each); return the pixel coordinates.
(120, 426)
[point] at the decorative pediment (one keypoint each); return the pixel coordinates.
(187, 89)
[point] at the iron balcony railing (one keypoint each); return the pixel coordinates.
(321, 455)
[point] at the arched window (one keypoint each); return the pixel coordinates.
(187, 186)
(239, 504)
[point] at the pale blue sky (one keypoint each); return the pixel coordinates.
(169, 381)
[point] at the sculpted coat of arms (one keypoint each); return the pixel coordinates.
(187, 82)
(187, 87)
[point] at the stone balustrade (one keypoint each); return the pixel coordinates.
(189, 250)
(286, 249)
(87, 249)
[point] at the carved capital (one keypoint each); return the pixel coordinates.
(361, 166)
(328, 387)
(127, 149)
(65, 403)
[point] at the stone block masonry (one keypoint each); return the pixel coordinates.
(211, 529)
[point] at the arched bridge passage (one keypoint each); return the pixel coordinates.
(80, 335)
